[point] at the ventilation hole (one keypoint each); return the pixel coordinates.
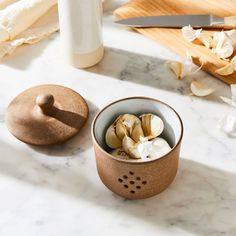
(125, 177)
(131, 182)
(138, 178)
(120, 180)
(138, 187)
(131, 173)
(144, 182)
(126, 186)
(132, 191)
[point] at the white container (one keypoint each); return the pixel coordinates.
(81, 31)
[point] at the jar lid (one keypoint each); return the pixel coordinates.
(46, 114)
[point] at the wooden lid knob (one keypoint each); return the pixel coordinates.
(45, 102)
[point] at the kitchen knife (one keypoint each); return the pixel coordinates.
(178, 21)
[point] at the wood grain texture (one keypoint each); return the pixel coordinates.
(172, 38)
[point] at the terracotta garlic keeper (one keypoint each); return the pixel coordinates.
(46, 114)
(143, 178)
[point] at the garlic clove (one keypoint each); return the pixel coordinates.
(231, 101)
(200, 89)
(190, 34)
(160, 147)
(120, 153)
(152, 125)
(177, 68)
(111, 138)
(206, 39)
(130, 147)
(121, 130)
(125, 124)
(226, 70)
(137, 132)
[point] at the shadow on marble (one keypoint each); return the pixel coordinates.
(152, 72)
(24, 55)
(201, 201)
(77, 144)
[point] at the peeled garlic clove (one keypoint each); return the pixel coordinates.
(177, 68)
(130, 147)
(111, 138)
(190, 34)
(152, 125)
(137, 132)
(144, 148)
(200, 89)
(226, 70)
(120, 153)
(160, 147)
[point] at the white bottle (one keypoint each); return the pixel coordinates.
(81, 31)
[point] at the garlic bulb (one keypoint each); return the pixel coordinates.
(152, 125)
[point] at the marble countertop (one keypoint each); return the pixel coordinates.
(56, 191)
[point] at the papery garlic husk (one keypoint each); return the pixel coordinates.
(160, 147)
(226, 70)
(200, 89)
(228, 125)
(177, 67)
(152, 125)
(120, 153)
(190, 34)
(130, 147)
(128, 125)
(112, 140)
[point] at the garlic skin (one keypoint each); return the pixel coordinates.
(112, 140)
(190, 34)
(152, 125)
(120, 153)
(206, 40)
(200, 89)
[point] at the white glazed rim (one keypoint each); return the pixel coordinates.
(135, 161)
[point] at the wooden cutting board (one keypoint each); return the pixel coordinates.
(172, 38)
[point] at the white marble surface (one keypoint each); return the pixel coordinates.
(57, 192)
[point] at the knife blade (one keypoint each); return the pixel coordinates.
(178, 21)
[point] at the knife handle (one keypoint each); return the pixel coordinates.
(230, 21)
